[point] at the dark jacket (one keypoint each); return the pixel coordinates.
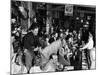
(30, 41)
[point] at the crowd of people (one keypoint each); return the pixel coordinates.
(59, 50)
(57, 55)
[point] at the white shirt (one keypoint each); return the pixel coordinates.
(35, 69)
(17, 69)
(90, 44)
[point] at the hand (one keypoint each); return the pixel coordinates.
(81, 49)
(81, 46)
(25, 51)
(36, 49)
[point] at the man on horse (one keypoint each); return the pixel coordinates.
(31, 44)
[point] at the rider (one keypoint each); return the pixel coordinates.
(31, 44)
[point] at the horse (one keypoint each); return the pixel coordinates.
(50, 49)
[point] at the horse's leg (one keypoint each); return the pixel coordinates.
(44, 61)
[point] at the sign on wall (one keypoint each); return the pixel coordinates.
(68, 10)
